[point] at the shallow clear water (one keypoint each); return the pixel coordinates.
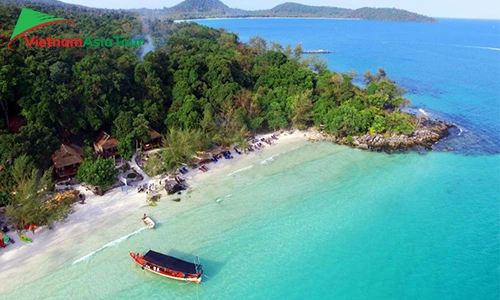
(321, 221)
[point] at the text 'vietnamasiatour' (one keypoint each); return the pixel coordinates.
(34, 41)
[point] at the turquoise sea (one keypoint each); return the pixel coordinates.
(321, 221)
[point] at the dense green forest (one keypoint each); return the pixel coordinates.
(200, 82)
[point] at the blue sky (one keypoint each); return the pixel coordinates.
(484, 9)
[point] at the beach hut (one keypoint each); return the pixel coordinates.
(216, 150)
(66, 161)
(106, 145)
(202, 157)
(154, 142)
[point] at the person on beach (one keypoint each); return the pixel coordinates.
(144, 217)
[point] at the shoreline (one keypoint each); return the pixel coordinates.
(285, 18)
(116, 207)
(425, 136)
(105, 221)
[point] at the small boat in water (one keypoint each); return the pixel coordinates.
(177, 199)
(169, 266)
(149, 222)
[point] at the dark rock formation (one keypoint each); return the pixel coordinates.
(174, 186)
(425, 136)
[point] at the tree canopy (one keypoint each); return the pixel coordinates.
(30, 204)
(99, 172)
(201, 86)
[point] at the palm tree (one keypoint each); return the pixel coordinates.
(180, 147)
(240, 140)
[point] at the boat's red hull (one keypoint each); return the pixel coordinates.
(196, 278)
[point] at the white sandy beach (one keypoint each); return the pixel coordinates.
(91, 227)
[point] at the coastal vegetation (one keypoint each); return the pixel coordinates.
(98, 172)
(201, 88)
(32, 201)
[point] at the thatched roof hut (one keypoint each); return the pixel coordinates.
(154, 135)
(106, 145)
(154, 142)
(104, 142)
(66, 156)
(202, 157)
(219, 149)
(216, 150)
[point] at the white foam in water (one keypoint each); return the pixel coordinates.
(219, 200)
(269, 159)
(110, 244)
(240, 170)
(479, 47)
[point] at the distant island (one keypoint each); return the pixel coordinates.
(202, 9)
(190, 9)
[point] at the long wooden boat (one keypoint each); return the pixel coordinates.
(169, 266)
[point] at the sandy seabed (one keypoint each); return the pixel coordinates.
(91, 224)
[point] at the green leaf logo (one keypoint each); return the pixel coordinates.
(30, 20)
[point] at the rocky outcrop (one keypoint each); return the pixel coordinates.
(427, 134)
(173, 186)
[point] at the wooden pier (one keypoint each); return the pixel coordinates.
(317, 52)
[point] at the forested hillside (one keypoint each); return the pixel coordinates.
(194, 9)
(202, 82)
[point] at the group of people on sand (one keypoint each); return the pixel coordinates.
(147, 187)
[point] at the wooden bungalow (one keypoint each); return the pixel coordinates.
(202, 157)
(106, 145)
(66, 161)
(154, 142)
(216, 150)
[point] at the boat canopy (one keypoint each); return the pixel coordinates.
(170, 262)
